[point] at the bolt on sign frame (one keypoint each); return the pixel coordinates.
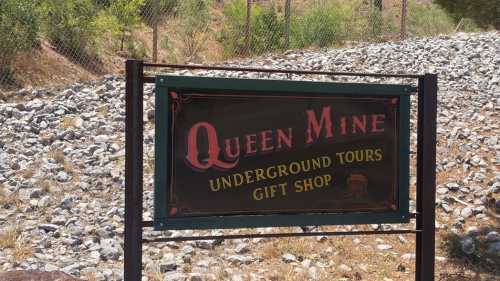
(426, 165)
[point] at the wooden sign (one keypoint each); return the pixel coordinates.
(251, 153)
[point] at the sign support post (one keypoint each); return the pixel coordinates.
(133, 171)
(426, 169)
(426, 177)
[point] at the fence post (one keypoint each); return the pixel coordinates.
(133, 170)
(155, 30)
(426, 178)
(404, 8)
(288, 5)
(376, 15)
(248, 27)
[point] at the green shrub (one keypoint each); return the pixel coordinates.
(377, 25)
(321, 25)
(18, 30)
(194, 18)
(135, 49)
(485, 13)
(125, 14)
(267, 29)
(232, 33)
(163, 8)
(428, 20)
(70, 26)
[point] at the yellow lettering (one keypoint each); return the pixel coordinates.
(259, 174)
(271, 172)
(294, 168)
(369, 155)
(283, 188)
(327, 161)
(248, 176)
(226, 182)
(298, 186)
(340, 155)
(212, 187)
(282, 170)
(257, 194)
(238, 179)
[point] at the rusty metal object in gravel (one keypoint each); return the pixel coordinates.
(33, 275)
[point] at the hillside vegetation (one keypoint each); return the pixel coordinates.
(96, 35)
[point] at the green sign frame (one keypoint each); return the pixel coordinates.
(164, 148)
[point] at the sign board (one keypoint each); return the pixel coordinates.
(251, 153)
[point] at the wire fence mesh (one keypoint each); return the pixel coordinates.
(51, 41)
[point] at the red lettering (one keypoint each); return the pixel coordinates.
(376, 121)
(314, 126)
(358, 123)
(265, 137)
(251, 141)
(343, 125)
(230, 154)
(213, 148)
(284, 138)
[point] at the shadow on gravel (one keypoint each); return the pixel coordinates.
(477, 251)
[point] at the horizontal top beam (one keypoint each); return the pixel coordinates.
(287, 71)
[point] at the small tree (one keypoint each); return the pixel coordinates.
(195, 18)
(18, 30)
(126, 15)
(163, 8)
(70, 25)
(486, 13)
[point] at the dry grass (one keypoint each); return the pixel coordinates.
(45, 67)
(90, 277)
(57, 155)
(154, 274)
(44, 185)
(14, 240)
(8, 238)
(9, 199)
(22, 249)
(27, 173)
(67, 122)
(60, 158)
(3, 195)
(103, 111)
(278, 247)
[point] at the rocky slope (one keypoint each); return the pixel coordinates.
(62, 166)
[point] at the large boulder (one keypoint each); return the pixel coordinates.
(33, 275)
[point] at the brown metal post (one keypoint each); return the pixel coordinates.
(288, 6)
(426, 178)
(248, 28)
(133, 170)
(404, 10)
(155, 30)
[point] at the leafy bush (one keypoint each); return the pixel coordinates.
(18, 30)
(428, 20)
(485, 13)
(321, 25)
(194, 18)
(125, 16)
(267, 29)
(163, 8)
(70, 26)
(136, 49)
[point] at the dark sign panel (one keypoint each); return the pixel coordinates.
(236, 153)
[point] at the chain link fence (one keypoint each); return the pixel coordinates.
(51, 42)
